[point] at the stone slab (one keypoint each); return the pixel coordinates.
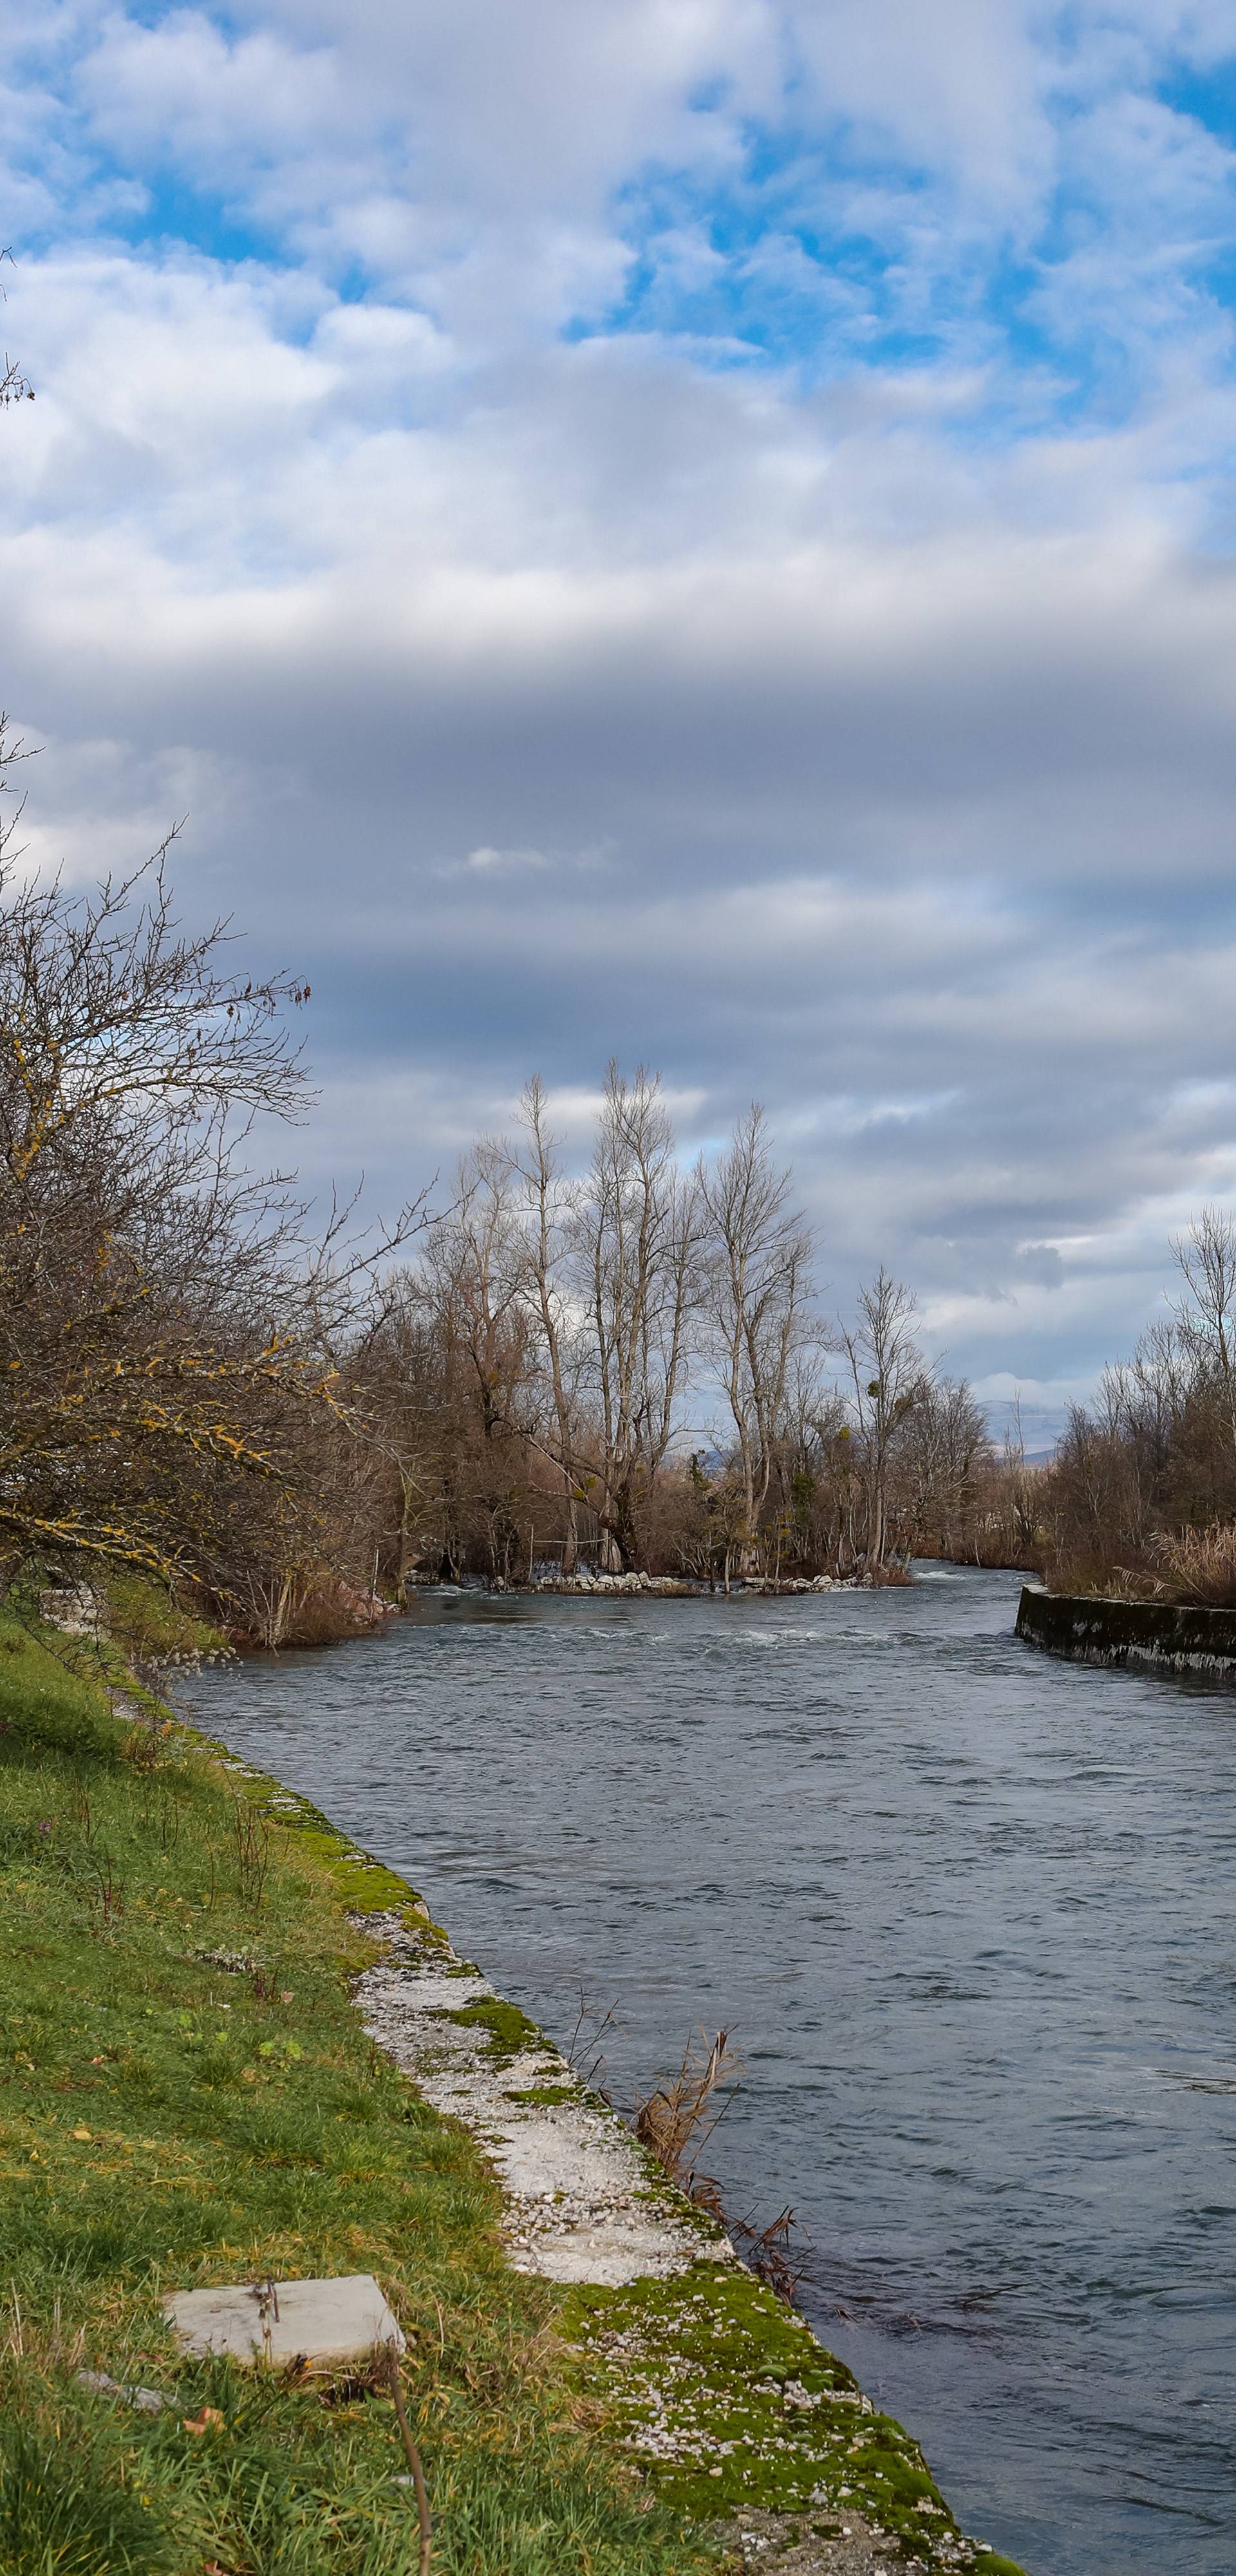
(318, 2323)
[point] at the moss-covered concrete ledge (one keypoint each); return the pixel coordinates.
(1149, 1633)
(720, 2396)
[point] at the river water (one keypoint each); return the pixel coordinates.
(970, 1914)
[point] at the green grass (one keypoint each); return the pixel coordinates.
(166, 2122)
(145, 1622)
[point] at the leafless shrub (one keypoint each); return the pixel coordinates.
(104, 1890)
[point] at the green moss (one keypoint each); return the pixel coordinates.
(365, 1885)
(546, 2094)
(727, 2400)
(511, 2033)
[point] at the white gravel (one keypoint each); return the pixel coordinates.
(583, 2202)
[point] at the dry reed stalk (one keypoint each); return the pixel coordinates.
(584, 2053)
(1199, 1565)
(55, 2349)
(667, 2122)
(671, 2120)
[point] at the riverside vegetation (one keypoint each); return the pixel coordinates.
(195, 1386)
(188, 2095)
(1140, 1500)
(615, 1363)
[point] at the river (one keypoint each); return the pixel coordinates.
(970, 1915)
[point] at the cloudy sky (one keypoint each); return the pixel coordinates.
(699, 530)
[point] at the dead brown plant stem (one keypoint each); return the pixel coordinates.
(414, 2463)
(667, 2121)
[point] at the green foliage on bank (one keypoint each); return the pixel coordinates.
(148, 1625)
(186, 2095)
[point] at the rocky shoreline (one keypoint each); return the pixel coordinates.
(679, 1587)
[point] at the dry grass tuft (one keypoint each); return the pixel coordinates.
(1198, 1566)
(47, 2344)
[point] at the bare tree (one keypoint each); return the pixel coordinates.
(475, 1274)
(888, 1376)
(548, 1220)
(1206, 1315)
(757, 1276)
(945, 1452)
(160, 1341)
(474, 1256)
(636, 1228)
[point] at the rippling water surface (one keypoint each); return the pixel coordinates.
(970, 1915)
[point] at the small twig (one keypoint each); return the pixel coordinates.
(575, 2054)
(769, 2255)
(395, 2383)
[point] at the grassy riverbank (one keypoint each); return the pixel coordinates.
(167, 2119)
(187, 2095)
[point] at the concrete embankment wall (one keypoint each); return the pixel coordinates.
(1156, 1633)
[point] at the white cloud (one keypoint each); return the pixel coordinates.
(854, 730)
(490, 862)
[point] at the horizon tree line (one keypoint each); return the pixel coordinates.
(621, 1364)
